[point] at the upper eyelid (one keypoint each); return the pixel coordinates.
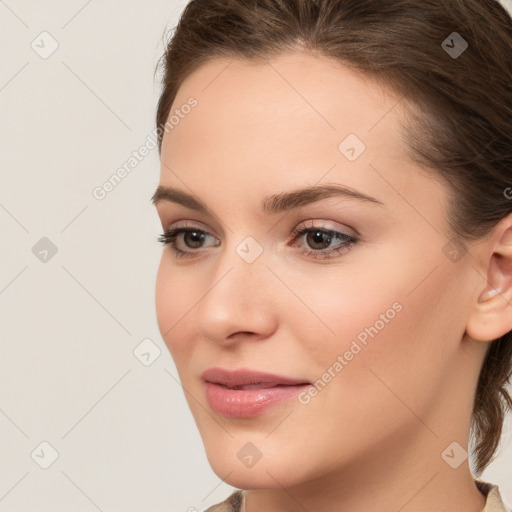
(162, 214)
(192, 224)
(314, 224)
(303, 226)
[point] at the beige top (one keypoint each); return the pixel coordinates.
(493, 502)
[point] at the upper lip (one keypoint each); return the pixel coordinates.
(244, 376)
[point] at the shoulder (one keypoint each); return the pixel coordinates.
(494, 501)
(231, 504)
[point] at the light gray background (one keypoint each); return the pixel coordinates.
(124, 435)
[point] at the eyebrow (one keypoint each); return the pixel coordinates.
(275, 203)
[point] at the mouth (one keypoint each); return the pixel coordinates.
(260, 385)
(246, 393)
(248, 379)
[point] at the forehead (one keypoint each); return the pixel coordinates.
(293, 94)
(267, 123)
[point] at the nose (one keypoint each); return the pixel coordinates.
(238, 301)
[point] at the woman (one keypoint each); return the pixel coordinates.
(336, 283)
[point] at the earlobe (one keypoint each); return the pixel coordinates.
(491, 316)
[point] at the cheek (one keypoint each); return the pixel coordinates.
(339, 308)
(399, 348)
(395, 318)
(164, 299)
(173, 305)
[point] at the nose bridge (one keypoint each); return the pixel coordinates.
(238, 298)
(242, 271)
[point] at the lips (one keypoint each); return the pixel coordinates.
(248, 379)
(246, 393)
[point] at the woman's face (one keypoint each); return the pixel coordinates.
(377, 323)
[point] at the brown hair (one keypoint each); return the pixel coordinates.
(460, 127)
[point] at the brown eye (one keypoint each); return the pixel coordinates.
(192, 239)
(195, 238)
(317, 241)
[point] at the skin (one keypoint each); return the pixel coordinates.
(372, 439)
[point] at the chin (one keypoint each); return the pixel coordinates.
(267, 473)
(253, 478)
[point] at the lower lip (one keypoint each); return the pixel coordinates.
(246, 403)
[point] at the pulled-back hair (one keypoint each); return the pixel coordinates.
(459, 116)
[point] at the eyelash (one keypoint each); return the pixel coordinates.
(169, 238)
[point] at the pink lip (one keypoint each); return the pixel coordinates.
(266, 390)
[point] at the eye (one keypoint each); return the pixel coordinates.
(317, 237)
(320, 239)
(192, 238)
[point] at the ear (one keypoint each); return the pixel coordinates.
(491, 315)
